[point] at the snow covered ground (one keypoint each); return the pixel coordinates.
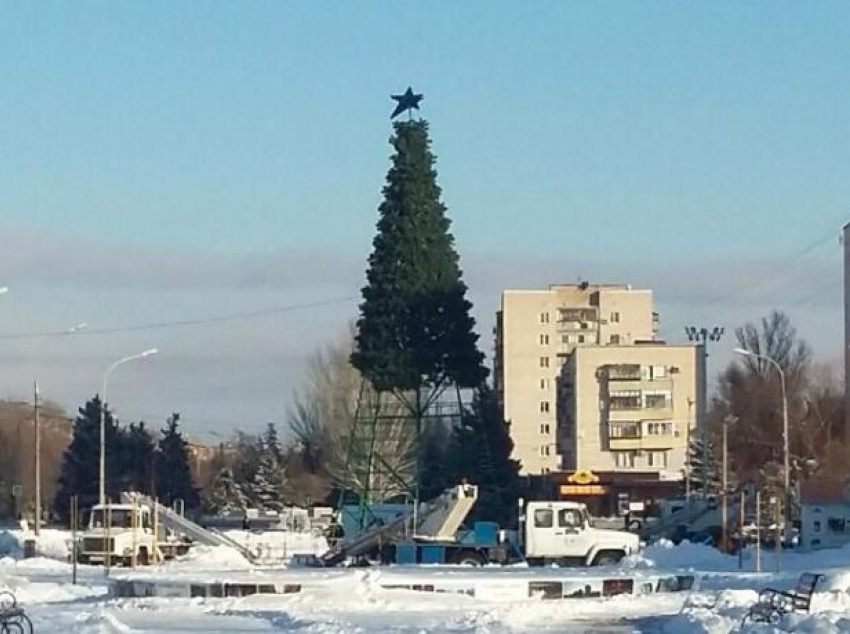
(355, 601)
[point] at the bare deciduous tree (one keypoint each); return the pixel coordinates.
(377, 455)
(749, 389)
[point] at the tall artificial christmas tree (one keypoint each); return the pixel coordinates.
(415, 329)
(415, 339)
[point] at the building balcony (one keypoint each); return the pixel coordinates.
(631, 413)
(578, 314)
(641, 384)
(667, 441)
(621, 372)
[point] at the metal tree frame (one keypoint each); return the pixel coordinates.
(374, 461)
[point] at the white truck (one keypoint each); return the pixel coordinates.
(563, 533)
(113, 536)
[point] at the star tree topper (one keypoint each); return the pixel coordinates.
(407, 101)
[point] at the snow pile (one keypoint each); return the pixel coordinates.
(664, 554)
(209, 558)
(712, 615)
(51, 543)
(724, 614)
(279, 546)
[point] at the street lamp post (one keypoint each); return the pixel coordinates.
(110, 370)
(786, 450)
(37, 436)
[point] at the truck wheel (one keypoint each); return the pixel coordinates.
(608, 557)
(143, 559)
(469, 558)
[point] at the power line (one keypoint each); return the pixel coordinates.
(178, 323)
(769, 279)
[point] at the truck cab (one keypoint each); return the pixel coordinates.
(561, 532)
(114, 533)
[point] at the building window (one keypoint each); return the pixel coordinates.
(544, 384)
(659, 428)
(544, 428)
(656, 400)
(625, 459)
(544, 318)
(544, 362)
(615, 318)
(581, 338)
(614, 340)
(544, 407)
(544, 340)
(624, 399)
(544, 450)
(624, 429)
(656, 459)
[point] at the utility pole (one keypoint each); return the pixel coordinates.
(724, 493)
(702, 336)
(688, 452)
(37, 430)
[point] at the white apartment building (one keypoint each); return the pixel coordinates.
(536, 332)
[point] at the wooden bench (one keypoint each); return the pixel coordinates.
(774, 604)
(13, 619)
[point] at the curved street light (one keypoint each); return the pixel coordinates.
(787, 453)
(110, 370)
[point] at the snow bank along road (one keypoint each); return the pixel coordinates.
(355, 602)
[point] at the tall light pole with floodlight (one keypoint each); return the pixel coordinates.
(702, 336)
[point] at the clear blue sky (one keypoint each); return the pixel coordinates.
(165, 160)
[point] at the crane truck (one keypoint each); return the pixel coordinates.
(558, 532)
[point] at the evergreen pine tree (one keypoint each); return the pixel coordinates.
(173, 473)
(248, 449)
(80, 470)
(480, 453)
(271, 442)
(139, 448)
(269, 488)
(697, 455)
(225, 496)
(415, 327)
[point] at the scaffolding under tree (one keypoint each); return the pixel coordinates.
(385, 443)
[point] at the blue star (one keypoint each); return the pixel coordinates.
(407, 101)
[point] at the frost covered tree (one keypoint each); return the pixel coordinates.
(268, 490)
(225, 496)
(708, 479)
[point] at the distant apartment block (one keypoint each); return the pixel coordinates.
(587, 387)
(628, 409)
